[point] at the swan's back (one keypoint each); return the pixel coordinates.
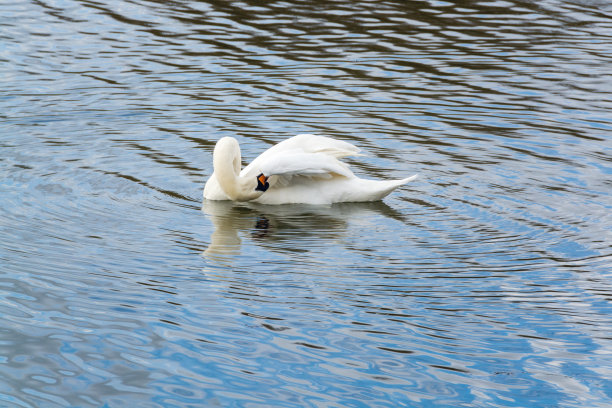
(304, 143)
(306, 169)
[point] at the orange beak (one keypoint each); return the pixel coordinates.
(262, 183)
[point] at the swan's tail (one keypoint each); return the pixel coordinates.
(390, 185)
(378, 189)
(393, 184)
(404, 181)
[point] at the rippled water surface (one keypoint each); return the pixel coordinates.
(484, 283)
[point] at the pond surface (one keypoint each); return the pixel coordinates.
(484, 283)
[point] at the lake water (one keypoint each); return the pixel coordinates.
(484, 283)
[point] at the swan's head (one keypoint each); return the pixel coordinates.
(262, 183)
(227, 165)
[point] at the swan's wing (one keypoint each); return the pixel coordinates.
(295, 163)
(308, 143)
(276, 156)
(316, 144)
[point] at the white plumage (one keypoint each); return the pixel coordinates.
(303, 169)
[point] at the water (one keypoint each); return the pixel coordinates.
(485, 283)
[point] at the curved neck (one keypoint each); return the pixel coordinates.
(226, 162)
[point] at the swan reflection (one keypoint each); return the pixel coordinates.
(298, 225)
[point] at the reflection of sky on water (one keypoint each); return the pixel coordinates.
(483, 283)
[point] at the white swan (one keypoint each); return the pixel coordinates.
(303, 169)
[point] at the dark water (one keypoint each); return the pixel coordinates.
(485, 283)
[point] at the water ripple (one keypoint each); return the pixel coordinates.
(484, 283)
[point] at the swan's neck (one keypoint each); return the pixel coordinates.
(227, 163)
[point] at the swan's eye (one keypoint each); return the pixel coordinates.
(262, 183)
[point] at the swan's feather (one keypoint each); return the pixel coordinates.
(298, 163)
(317, 144)
(306, 169)
(304, 143)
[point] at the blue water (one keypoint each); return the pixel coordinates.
(484, 283)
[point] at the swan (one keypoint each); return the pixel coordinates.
(304, 169)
